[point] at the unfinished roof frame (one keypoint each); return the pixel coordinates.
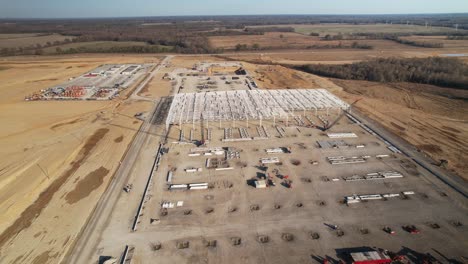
(249, 105)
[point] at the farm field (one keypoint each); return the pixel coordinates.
(288, 40)
(448, 43)
(26, 40)
(335, 29)
(381, 49)
(268, 40)
(99, 45)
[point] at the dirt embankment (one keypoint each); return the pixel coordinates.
(433, 119)
(34, 210)
(279, 77)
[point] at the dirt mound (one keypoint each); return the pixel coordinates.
(84, 187)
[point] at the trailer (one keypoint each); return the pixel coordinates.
(178, 187)
(370, 197)
(274, 150)
(169, 177)
(342, 135)
(370, 257)
(269, 160)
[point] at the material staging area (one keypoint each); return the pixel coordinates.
(102, 83)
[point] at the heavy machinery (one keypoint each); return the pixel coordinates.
(329, 125)
(287, 182)
(411, 229)
(389, 230)
(443, 163)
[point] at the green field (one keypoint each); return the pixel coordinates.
(335, 29)
(29, 39)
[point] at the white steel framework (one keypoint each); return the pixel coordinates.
(249, 105)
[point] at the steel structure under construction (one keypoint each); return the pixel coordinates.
(249, 104)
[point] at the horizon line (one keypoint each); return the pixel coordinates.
(234, 15)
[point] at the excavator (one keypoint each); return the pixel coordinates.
(329, 125)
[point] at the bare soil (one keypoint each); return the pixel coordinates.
(425, 115)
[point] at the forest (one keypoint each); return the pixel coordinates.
(445, 72)
(190, 34)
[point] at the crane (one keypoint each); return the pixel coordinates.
(202, 128)
(330, 125)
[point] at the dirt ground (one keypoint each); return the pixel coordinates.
(56, 157)
(269, 39)
(424, 115)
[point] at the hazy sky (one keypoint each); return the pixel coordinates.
(119, 8)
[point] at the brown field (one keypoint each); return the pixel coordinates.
(382, 48)
(57, 157)
(424, 115)
(335, 28)
(26, 40)
(268, 40)
(290, 40)
(448, 43)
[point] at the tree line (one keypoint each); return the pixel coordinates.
(445, 72)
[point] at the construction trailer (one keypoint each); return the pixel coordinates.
(260, 184)
(342, 135)
(370, 257)
(269, 160)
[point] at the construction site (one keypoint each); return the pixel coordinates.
(102, 83)
(246, 175)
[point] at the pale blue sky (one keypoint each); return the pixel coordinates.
(126, 8)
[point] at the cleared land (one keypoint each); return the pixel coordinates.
(335, 29)
(57, 157)
(426, 116)
(63, 158)
(26, 40)
(268, 40)
(232, 222)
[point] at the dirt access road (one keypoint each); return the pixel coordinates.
(93, 230)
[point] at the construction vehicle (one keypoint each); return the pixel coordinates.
(287, 182)
(411, 229)
(329, 125)
(443, 163)
(128, 187)
(389, 230)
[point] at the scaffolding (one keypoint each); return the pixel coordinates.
(191, 108)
